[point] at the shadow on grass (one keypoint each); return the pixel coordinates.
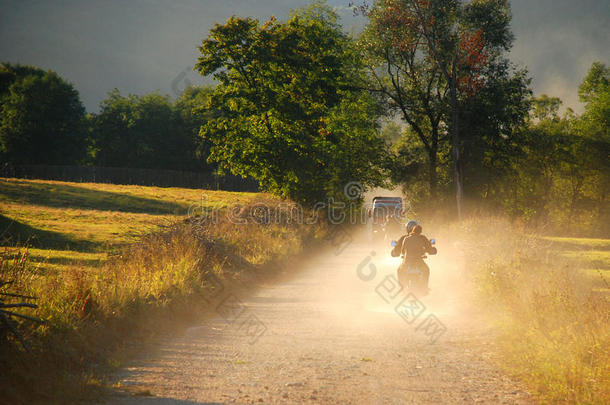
(144, 398)
(568, 245)
(64, 260)
(15, 233)
(42, 259)
(67, 196)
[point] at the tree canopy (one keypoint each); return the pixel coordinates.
(151, 131)
(42, 117)
(291, 115)
(595, 93)
(440, 63)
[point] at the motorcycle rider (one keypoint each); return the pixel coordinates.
(397, 250)
(412, 247)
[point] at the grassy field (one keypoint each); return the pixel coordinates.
(80, 224)
(550, 299)
(590, 257)
(113, 264)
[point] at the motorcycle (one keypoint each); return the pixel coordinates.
(410, 275)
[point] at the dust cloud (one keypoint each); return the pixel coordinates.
(335, 329)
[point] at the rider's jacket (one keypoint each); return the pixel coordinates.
(413, 246)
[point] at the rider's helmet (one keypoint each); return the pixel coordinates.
(410, 225)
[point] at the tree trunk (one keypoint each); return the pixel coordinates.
(432, 176)
(455, 144)
(455, 134)
(576, 187)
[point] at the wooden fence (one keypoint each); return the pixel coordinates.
(125, 175)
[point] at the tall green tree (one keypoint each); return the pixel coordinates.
(533, 165)
(489, 119)
(192, 114)
(112, 142)
(594, 126)
(149, 131)
(405, 82)
(595, 93)
(553, 172)
(41, 117)
(427, 56)
(290, 113)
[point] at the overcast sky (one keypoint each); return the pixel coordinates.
(139, 46)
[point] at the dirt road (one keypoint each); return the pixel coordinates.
(338, 332)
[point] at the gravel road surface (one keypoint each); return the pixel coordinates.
(337, 332)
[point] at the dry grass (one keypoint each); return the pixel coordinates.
(554, 321)
(91, 314)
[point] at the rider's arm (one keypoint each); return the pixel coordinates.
(403, 248)
(431, 250)
(398, 248)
